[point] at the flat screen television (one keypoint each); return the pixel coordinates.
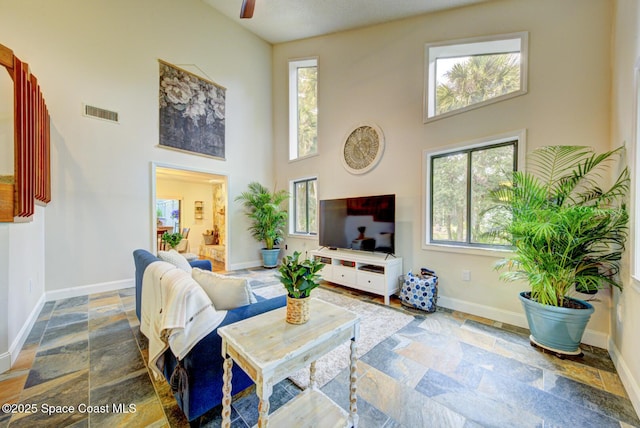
(365, 223)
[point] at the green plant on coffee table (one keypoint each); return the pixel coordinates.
(171, 239)
(299, 277)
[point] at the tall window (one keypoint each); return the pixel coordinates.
(466, 74)
(459, 182)
(305, 206)
(303, 108)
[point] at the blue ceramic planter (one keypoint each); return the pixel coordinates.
(270, 257)
(558, 329)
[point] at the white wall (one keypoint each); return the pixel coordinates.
(5, 356)
(22, 278)
(376, 74)
(106, 54)
(626, 318)
(26, 273)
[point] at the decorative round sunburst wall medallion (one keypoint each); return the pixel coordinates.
(362, 149)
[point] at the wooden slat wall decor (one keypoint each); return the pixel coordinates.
(23, 157)
(6, 57)
(32, 154)
(37, 129)
(20, 92)
(6, 182)
(43, 162)
(45, 170)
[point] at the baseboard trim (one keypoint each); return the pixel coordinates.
(84, 290)
(508, 317)
(631, 385)
(596, 338)
(5, 362)
(245, 265)
(8, 358)
(590, 337)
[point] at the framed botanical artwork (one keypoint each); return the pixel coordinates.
(192, 112)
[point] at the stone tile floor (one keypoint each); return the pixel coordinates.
(445, 369)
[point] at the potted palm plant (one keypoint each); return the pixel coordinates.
(566, 232)
(299, 278)
(269, 219)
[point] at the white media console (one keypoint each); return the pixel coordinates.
(371, 272)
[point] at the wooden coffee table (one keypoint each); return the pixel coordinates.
(269, 349)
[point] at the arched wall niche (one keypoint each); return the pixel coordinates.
(29, 182)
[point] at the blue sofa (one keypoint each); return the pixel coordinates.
(202, 388)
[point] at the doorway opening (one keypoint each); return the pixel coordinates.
(193, 203)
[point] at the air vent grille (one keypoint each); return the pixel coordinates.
(100, 113)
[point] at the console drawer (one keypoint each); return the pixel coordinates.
(371, 281)
(343, 275)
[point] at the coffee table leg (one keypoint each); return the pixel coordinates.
(353, 408)
(226, 393)
(312, 375)
(264, 392)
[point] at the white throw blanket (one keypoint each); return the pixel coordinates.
(175, 312)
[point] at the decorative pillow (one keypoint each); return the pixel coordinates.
(176, 259)
(226, 292)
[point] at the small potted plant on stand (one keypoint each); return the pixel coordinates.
(269, 218)
(567, 233)
(299, 278)
(172, 239)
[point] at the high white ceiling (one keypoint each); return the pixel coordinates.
(278, 21)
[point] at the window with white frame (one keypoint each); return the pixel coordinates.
(465, 74)
(305, 206)
(459, 210)
(303, 108)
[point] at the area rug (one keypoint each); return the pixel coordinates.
(376, 324)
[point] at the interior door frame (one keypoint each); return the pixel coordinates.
(152, 202)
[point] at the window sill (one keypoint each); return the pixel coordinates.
(473, 251)
(303, 236)
(301, 158)
(429, 119)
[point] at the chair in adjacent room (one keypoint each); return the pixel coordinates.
(183, 246)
